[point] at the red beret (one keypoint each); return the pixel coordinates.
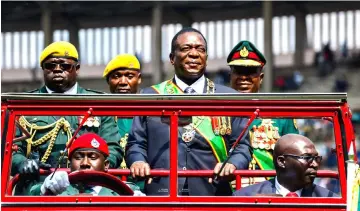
(89, 141)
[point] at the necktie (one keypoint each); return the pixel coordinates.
(189, 90)
(292, 194)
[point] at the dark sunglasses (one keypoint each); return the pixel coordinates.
(307, 158)
(247, 71)
(63, 66)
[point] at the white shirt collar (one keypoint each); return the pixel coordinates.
(71, 91)
(96, 190)
(198, 85)
(283, 191)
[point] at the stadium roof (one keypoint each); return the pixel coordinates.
(26, 16)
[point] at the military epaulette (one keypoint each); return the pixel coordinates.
(32, 91)
(95, 91)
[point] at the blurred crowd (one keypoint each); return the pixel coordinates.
(326, 62)
(321, 132)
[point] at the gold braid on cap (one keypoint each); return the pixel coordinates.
(50, 136)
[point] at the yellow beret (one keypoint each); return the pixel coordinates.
(59, 49)
(127, 61)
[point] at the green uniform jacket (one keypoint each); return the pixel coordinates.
(124, 125)
(71, 190)
(107, 129)
(274, 129)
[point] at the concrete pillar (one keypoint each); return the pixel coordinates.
(345, 30)
(281, 37)
(354, 29)
(156, 62)
(46, 23)
(313, 32)
(126, 44)
(300, 38)
(118, 39)
(329, 28)
(337, 31)
(3, 50)
(224, 54)
(268, 47)
(320, 30)
(84, 58)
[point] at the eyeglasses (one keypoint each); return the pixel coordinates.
(63, 66)
(251, 72)
(307, 158)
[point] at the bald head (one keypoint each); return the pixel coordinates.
(291, 142)
(296, 161)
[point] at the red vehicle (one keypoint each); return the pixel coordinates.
(330, 109)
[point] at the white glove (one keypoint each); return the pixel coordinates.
(57, 184)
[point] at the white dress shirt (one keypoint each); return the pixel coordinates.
(71, 91)
(198, 85)
(283, 191)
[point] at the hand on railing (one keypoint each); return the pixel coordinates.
(227, 170)
(140, 169)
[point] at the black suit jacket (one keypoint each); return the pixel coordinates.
(268, 187)
(149, 141)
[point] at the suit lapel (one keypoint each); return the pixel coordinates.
(80, 90)
(204, 90)
(269, 188)
(43, 90)
(308, 192)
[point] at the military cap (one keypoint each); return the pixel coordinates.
(59, 49)
(126, 61)
(246, 54)
(89, 141)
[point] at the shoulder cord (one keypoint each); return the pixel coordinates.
(50, 136)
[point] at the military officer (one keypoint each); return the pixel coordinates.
(247, 63)
(49, 134)
(88, 152)
(123, 76)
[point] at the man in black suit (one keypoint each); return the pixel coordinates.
(296, 162)
(203, 144)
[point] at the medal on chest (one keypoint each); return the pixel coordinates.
(189, 133)
(265, 135)
(91, 121)
(221, 125)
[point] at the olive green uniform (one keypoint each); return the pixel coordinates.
(263, 135)
(124, 125)
(57, 126)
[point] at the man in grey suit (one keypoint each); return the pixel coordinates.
(296, 163)
(203, 144)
